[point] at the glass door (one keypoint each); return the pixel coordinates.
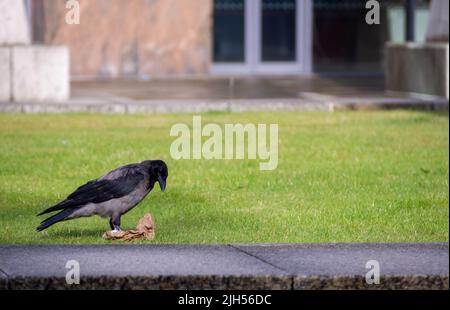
(229, 31)
(278, 30)
(262, 36)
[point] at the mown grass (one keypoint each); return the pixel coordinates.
(341, 177)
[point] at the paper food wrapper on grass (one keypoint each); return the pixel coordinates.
(145, 229)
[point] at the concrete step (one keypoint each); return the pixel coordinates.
(232, 266)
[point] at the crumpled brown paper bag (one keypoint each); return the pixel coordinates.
(145, 229)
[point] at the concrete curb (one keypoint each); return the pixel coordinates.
(236, 266)
(126, 106)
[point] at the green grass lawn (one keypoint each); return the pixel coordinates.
(341, 177)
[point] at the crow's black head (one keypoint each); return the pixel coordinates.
(158, 171)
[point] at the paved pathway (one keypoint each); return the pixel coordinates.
(266, 266)
(292, 93)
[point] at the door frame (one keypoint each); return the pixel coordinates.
(252, 44)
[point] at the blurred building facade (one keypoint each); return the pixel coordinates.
(148, 38)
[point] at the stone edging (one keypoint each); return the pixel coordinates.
(243, 105)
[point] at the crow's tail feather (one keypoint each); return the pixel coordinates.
(59, 206)
(61, 216)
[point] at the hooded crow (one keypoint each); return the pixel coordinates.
(111, 195)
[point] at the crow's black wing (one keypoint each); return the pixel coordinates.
(100, 190)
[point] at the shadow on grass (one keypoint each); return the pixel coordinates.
(442, 113)
(85, 230)
(180, 215)
(76, 233)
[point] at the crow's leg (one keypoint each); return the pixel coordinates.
(111, 224)
(115, 221)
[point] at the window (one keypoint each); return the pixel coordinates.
(228, 37)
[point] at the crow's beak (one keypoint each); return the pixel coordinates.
(162, 183)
